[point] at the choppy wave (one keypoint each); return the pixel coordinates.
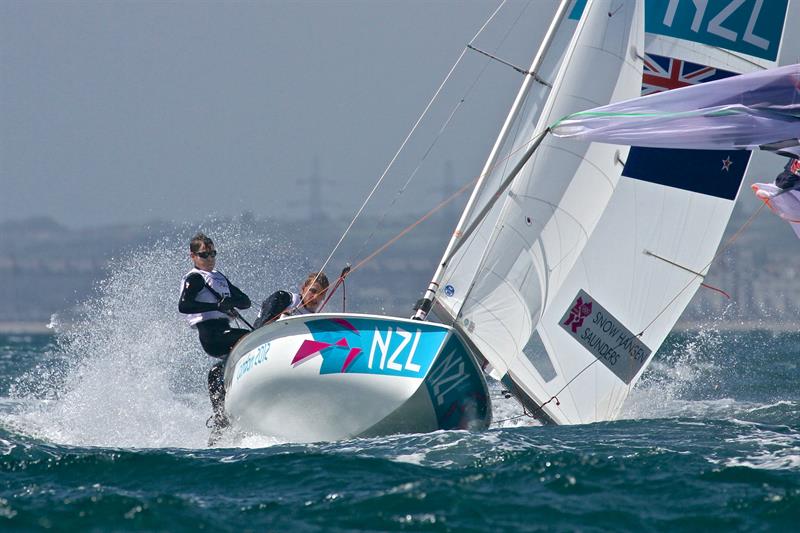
(626, 475)
(103, 427)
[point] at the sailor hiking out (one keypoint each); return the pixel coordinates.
(209, 300)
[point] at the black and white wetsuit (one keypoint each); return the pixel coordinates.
(279, 303)
(199, 301)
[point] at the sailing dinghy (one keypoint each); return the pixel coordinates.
(331, 376)
(336, 376)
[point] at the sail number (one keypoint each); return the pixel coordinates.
(749, 26)
(447, 376)
(399, 359)
(715, 25)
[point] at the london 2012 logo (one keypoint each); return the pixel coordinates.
(578, 314)
(310, 348)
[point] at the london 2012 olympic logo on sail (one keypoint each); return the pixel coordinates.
(605, 336)
(578, 314)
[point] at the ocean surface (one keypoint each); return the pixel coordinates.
(103, 428)
(100, 433)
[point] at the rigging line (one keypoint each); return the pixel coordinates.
(414, 225)
(555, 396)
(740, 57)
(689, 270)
(504, 62)
(410, 178)
(518, 125)
(441, 204)
(716, 289)
(405, 141)
(509, 419)
(534, 142)
(521, 70)
(722, 250)
(442, 129)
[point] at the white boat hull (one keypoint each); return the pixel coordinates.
(337, 376)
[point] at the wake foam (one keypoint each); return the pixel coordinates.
(127, 371)
(668, 387)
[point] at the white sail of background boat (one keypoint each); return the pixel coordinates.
(333, 376)
(658, 234)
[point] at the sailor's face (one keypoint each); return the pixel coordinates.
(205, 258)
(312, 294)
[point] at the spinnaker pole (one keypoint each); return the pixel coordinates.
(427, 300)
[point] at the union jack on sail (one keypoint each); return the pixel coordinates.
(666, 73)
(684, 169)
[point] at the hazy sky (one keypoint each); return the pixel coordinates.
(129, 111)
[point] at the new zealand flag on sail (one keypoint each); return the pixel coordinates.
(713, 172)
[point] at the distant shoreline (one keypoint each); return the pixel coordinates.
(25, 328)
(40, 328)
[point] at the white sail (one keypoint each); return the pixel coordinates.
(646, 257)
(464, 263)
(554, 203)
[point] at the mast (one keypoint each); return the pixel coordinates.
(430, 293)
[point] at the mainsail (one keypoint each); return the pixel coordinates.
(498, 284)
(657, 237)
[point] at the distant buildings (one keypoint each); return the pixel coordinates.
(48, 268)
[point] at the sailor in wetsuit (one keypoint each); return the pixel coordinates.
(209, 300)
(283, 303)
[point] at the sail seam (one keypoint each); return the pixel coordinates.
(557, 147)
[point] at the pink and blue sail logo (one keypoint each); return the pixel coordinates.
(369, 346)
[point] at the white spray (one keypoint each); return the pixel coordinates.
(128, 371)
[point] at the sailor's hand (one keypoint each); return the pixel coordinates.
(225, 305)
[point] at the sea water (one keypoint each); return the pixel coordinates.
(102, 427)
